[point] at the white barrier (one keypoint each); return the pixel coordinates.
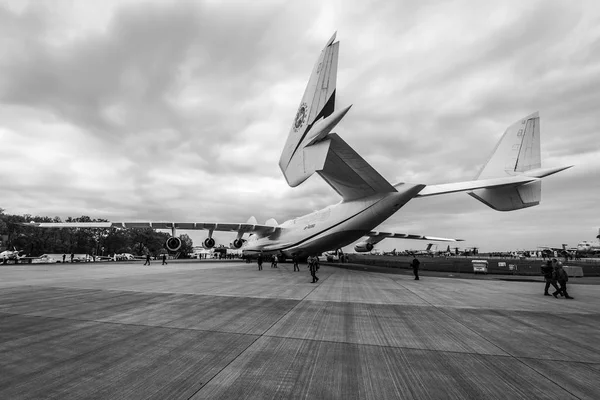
(573, 271)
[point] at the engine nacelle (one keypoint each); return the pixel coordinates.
(237, 243)
(208, 243)
(363, 247)
(173, 243)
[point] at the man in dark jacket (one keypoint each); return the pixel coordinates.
(259, 261)
(313, 266)
(562, 277)
(415, 266)
(547, 271)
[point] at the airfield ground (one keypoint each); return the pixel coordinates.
(223, 330)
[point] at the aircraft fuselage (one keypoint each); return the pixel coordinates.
(332, 227)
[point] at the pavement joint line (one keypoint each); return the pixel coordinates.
(307, 339)
(137, 325)
(518, 359)
(264, 334)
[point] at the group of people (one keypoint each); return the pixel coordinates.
(313, 264)
(164, 259)
(554, 273)
(64, 257)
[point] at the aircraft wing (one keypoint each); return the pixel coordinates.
(209, 226)
(376, 237)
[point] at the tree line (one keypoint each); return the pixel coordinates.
(93, 241)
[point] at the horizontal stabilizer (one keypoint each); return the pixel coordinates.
(349, 174)
(432, 190)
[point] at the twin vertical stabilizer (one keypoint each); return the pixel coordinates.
(317, 104)
(517, 152)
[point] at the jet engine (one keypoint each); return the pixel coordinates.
(208, 243)
(173, 243)
(237, 243)
(363, 247)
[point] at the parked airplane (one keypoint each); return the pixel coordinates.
(563, 251)
(429, 251)
(510, 180)
(586, 247)
(11, 255)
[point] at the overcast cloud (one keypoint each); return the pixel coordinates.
(178, 110)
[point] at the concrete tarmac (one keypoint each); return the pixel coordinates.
(227, 331)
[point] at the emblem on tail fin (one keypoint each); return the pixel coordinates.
(300, 117)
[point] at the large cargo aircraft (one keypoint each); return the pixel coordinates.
(510, 180)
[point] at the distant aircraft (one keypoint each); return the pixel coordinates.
(390, 253)
(587, 248)
(11, 255)
(563, 251)
(471, 251)
(427, 252)
(510, 180)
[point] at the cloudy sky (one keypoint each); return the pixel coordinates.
(142, 110)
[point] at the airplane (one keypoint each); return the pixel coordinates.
(11, 255)
(586, 247)
(427, 252)
(390, 253)
(509, 180)
(466, 252)
(563, 251)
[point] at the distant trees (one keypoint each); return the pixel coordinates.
(35, 241)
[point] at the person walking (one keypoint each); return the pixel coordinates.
(562, 277)
(64, 257)
(295, 261)
(415, 266)
(147, 262)
(259, 260)
(165, 259)
(548, 271)
(274, 261)
(72, 257)
(313, 266)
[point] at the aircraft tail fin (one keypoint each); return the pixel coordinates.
(317, 104)
(516, 154)
(517, 151)
(512, 177)
(311, 147)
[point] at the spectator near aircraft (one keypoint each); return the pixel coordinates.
(415, 266)
(259, 261)
(547, 271)
(561, 276)
(313, 266)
